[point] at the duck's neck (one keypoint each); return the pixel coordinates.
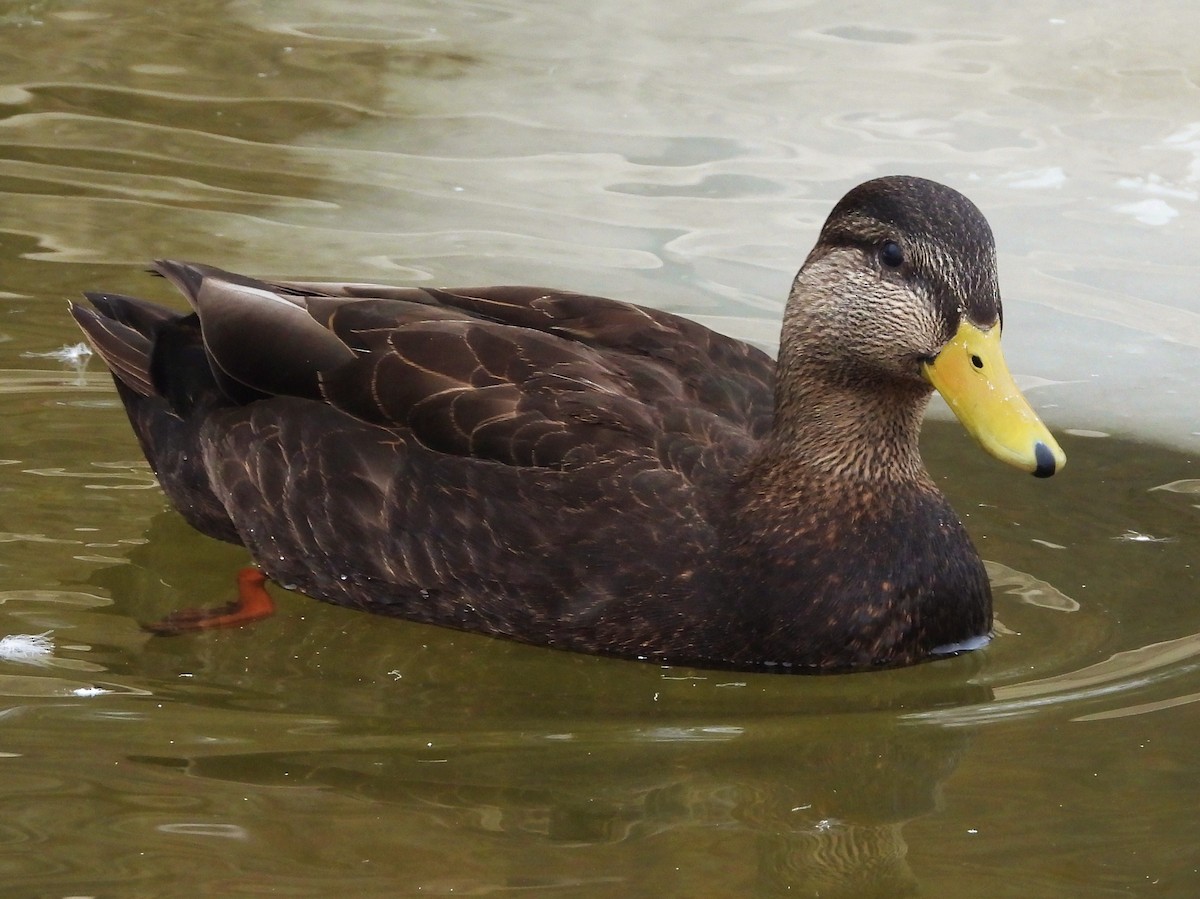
(842, 426)
(838, 411)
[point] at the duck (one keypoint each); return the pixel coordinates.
(588, 474)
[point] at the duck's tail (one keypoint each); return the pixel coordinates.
(142, 343)
(122, 330)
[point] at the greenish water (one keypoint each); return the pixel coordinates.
(680, 156)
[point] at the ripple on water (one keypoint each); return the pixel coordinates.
(1122, 672)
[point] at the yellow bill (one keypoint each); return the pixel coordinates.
(971, 375)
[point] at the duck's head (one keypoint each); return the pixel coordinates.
(901, 290)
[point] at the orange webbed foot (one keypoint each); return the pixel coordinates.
(252, 603)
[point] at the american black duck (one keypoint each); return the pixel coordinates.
(584, 473)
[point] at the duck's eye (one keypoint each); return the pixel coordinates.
(891, 255)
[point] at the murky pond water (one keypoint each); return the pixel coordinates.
(682, 155)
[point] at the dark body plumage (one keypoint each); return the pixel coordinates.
(578, 472)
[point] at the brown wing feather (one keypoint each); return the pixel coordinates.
(725, 376)
(520, 375)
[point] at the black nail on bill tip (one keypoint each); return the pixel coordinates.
(1045, 461)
